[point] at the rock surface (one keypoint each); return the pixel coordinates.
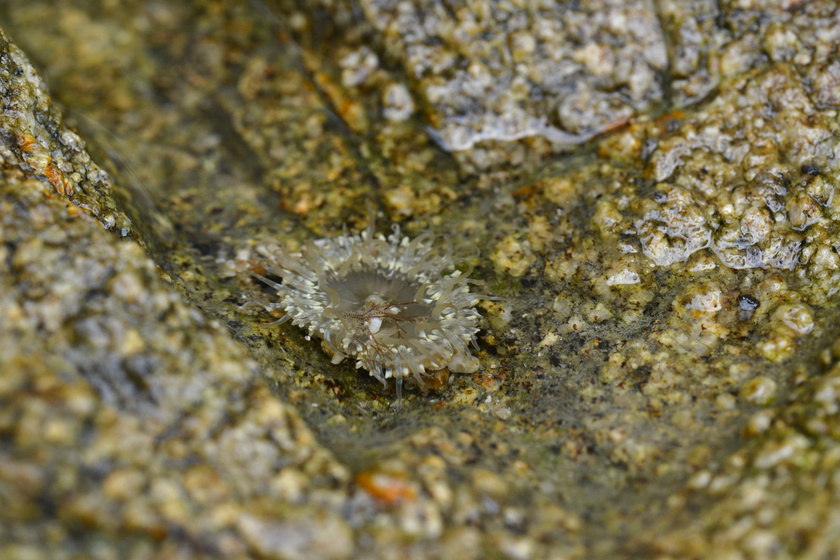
(649, 193)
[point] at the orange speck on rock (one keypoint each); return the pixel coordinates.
(27, 142)
(615, 125)
(58, 180)
(258, 267)
(437, 380)
(678, 115)
(388, 488)
(528, 191)
(489, 383)
(627, 143)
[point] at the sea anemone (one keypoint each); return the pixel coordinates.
(400, 307)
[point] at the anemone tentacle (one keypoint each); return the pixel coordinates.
(398, 306)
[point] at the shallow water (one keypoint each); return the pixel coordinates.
(606, 391)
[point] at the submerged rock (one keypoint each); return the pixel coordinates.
(658, 370)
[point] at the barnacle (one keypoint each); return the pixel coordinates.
(398, 306)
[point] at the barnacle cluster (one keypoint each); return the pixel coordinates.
(398, 306)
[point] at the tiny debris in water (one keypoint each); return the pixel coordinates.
(398, 306)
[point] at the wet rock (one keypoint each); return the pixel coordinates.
(124, 410)
(495, 73)
(36, 140)
(662, 324)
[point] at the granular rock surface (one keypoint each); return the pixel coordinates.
(645, 190)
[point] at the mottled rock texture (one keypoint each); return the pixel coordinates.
(645, 189)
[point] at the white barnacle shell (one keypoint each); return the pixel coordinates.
(395, 305)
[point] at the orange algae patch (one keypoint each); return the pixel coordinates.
(388, 488)
(58, 180)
